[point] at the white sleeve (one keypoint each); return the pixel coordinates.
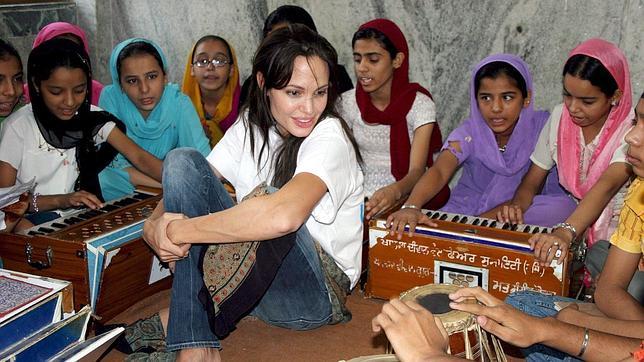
(11, 143)
(620, 152)
(104, 132)
(225, 157)
(422, 112)
(329, 157)
(546, 148)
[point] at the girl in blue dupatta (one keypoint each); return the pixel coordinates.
(493, 147)
(159, 118)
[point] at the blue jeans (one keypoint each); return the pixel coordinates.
(297, 298)
(539, 305)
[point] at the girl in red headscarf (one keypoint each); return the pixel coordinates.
(393, 120)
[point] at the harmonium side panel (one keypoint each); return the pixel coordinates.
(129, 278)
(438, 256)
(67, 261)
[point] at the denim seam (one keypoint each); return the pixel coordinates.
(185, 345)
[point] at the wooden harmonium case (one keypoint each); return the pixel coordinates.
(462, 250)
(100, 251)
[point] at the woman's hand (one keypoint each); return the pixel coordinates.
(381, 200)
(155, 234)
(414, 332)
(547, 247)
(510, 213)
(14, 212)
(80, 198)
(397, 221)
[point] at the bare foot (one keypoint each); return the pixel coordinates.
(199, 355)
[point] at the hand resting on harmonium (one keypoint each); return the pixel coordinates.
(13, 213)
(407, 216)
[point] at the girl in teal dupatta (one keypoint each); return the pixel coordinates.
(158, 117)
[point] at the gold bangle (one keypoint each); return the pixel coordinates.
(409, 206)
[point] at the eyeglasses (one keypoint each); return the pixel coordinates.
(216, 63)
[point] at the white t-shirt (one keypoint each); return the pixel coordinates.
(24, 148)
(336, 221)
(545, 156)
(373, 139)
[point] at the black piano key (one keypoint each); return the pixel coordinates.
(58, 225)
(493, 224)
(526, 229)
(544, 230)
(45, 230)
(443, 217)
(505, 226)
(75, 219)
(109, 208)
(435, 215)
(514, 227)
(484, 223)
(455, 218)
(141, 196)
(33, 233)
(476, 221)
(535, 230)
(463, 220)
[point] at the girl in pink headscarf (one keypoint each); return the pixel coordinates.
(74, 33)
(585, 140)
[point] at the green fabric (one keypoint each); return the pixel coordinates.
(146, 333)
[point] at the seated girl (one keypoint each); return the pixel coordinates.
(493, 146)
(293, 14)
(71, 32)
(158, 117)
(394, 121)
(211, 80)
(54, 139)
(308, 232)
(11, 80)
(584, 139)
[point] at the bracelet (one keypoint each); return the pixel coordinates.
(34, 201)
(409, 206)
(584, 343)
(567, 226)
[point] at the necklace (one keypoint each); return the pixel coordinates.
(502, 149)
(42, 144)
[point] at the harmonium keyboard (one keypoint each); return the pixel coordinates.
(463, 250)
(100, 251)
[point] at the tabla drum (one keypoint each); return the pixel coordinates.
(466, 338)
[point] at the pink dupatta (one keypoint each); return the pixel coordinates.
(612, 134)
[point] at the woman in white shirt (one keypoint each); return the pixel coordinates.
(58, 138)
(308, 233)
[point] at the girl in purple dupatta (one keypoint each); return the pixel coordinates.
(493, 146)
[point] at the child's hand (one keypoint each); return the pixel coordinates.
(397, 221)
(381, 200)
(80, 198)
(510, 214)
(547, 247)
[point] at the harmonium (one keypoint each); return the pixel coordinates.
(462, 250)
(100, 251)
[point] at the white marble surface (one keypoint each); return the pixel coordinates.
(446, 38)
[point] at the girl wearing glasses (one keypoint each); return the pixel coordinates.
(211, 80)
(157, 115)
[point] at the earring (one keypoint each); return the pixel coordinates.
(614, 103)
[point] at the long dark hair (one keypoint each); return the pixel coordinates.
(7, 51)
(274, 59)
(494, 70)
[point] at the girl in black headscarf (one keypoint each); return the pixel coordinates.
(59, 138)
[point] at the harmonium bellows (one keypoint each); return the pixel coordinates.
(100, 251)
(463, 250)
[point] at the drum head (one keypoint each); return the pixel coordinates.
(435, 298)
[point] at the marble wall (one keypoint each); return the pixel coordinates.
(445, 37)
